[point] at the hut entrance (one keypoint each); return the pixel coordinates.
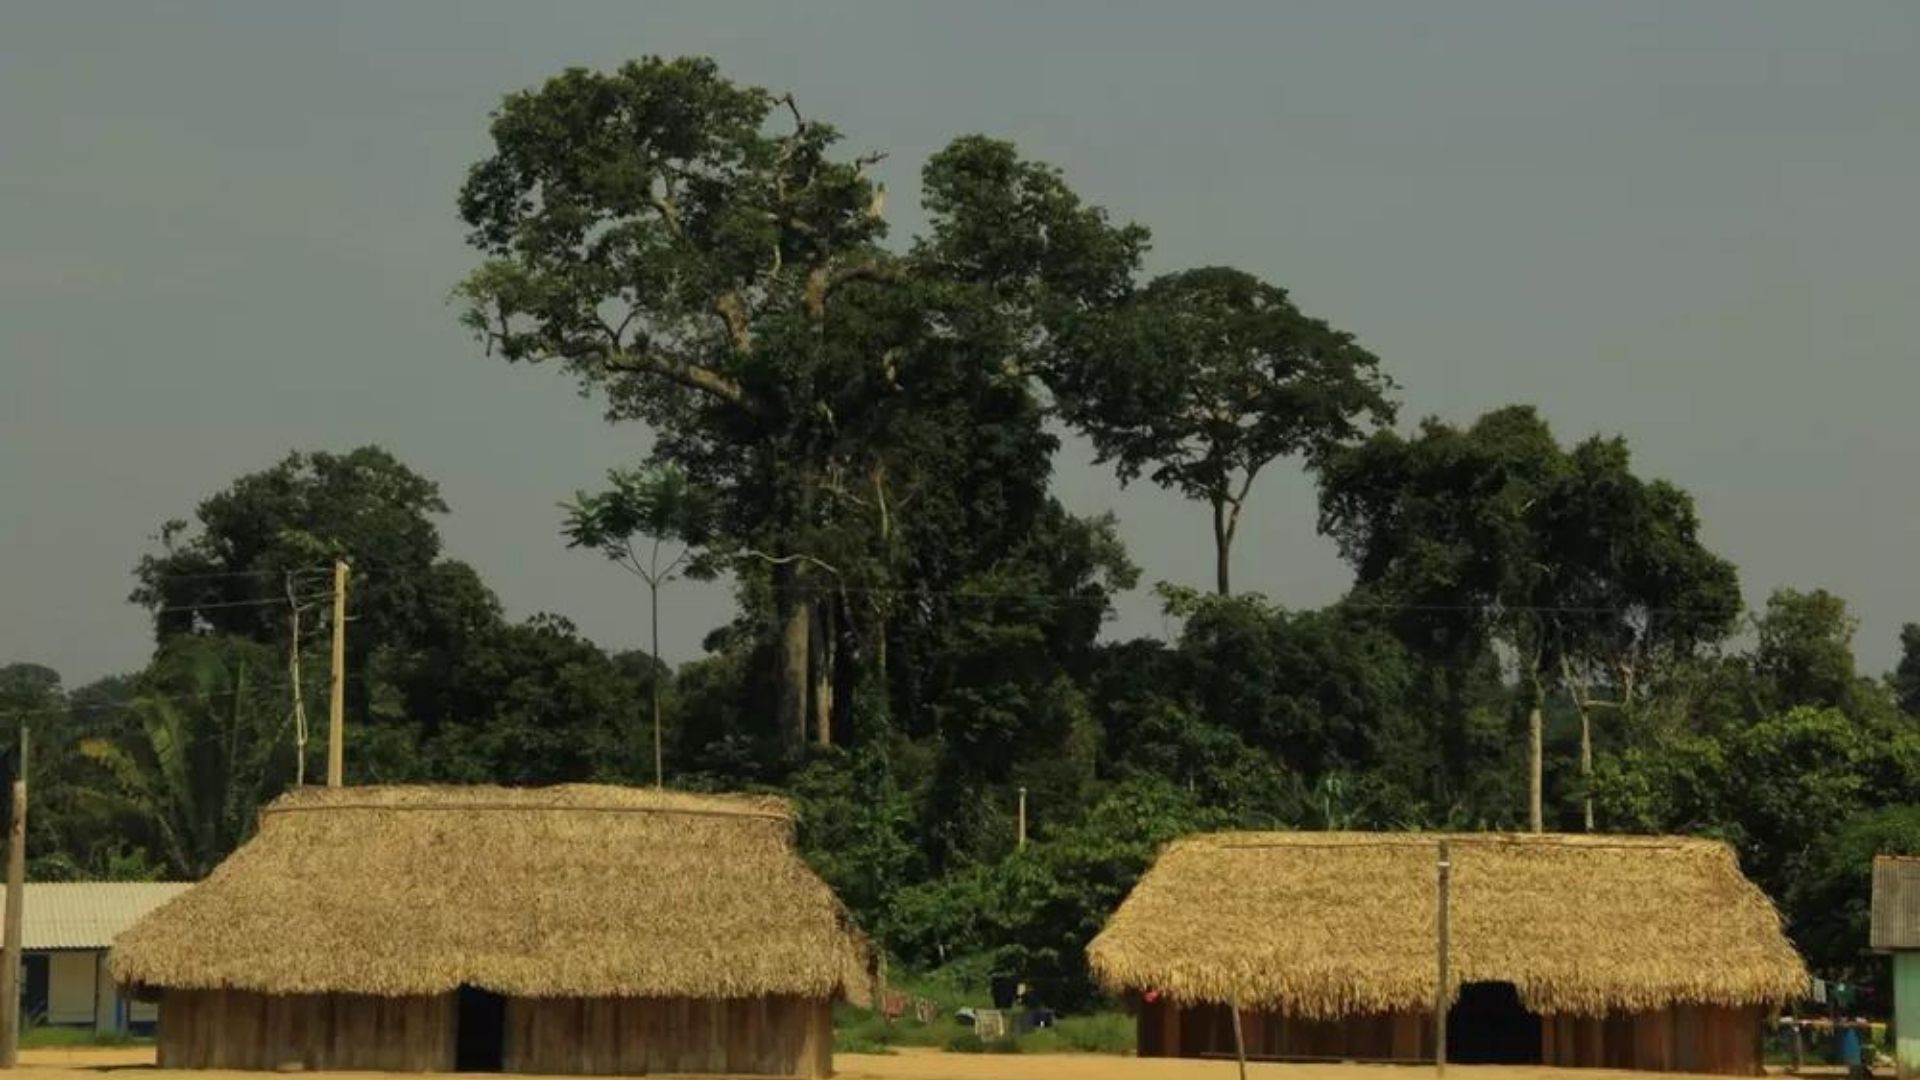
(1489, 1026)
(479, 1031)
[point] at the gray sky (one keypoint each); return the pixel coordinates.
(227, 231)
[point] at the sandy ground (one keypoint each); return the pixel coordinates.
(137, 1064)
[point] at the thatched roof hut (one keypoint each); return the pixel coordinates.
(1320, 926)
(563, 893)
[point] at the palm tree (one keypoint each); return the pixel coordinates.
(204, 750)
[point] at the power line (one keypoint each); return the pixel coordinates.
(211, 695)
(217, 575)
(280, 601)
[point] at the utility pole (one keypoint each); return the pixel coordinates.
(337, 719)
(1440, 996)
(1239, 1038)
(299, 691)
(16, 900)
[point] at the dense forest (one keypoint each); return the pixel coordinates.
(857, 433)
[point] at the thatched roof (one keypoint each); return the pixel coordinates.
(1325, 924)
(573, 891)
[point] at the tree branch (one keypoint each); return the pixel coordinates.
(782, 560)
(733, 312)
(680, 372)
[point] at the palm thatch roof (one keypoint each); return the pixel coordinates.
(1327, 924)
(571, 891)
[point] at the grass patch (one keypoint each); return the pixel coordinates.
(42, 1037)
(970, 1042)
(854, 1027)
(1097, 1033)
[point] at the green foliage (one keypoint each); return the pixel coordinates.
(210, 747)
(1205, 378)
(1804, 650)
(1097, 1033)
(1831, 898)
(970, 1042)
(1906, 677)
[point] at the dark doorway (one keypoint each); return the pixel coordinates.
(1488, 1026)
(480, 1030)
(33, 998)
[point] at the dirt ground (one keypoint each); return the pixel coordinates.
(137, 1064)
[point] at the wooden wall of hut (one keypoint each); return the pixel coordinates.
(1683, 1038)
(234, 1029)
(237, 1029)
(769, 1036)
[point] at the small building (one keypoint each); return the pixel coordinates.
(1626, 952)
(1895, 928)
(66, 929)
(572, 929)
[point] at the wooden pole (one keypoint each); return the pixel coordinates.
(1536, 754)
(1239, 1040)
(337, 710)
(1440, 996)
(1022, 836)
(16, 899)
(299, 691)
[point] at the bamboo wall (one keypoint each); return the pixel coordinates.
(237, 1029)
(232, 1029)
(1683, 1038)
(770, 1036)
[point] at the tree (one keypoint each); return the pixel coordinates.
(1636, 593)
(696, 250)
(535, 703)
(1206, 378)
(1906, 677)
(263, 543)
(645, 229)
(647, 508)
(1494, 535)
(209, 749)
(1830, 902)
(1804, 649)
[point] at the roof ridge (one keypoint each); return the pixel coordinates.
(584, 808)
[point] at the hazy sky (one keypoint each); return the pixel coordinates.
(228, 231)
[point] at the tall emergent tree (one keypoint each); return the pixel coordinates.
(1206, 378)
(646, 229)
(702, 253)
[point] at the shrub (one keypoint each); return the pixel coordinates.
(1098, 1033)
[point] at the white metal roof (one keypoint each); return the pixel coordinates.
(86, 914)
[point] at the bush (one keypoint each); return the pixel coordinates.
(858, 1042)
(1045, 1041)
(967, 1042)
(1099, 1033)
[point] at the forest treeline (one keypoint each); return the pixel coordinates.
(858, 432)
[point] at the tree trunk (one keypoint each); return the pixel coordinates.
(821, 655)
(1586, 760)
(1536, 752)
(1222, 545)
(796, 620)
(659, 758)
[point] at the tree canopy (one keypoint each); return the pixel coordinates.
(857, 434)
